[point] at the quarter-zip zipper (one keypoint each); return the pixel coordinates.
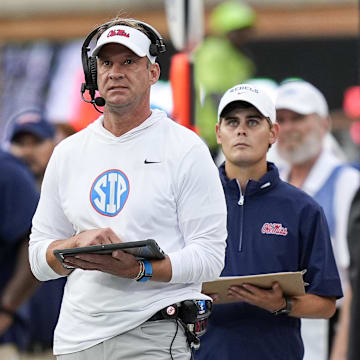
(241, 204)
(241, 200)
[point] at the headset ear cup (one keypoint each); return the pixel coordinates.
(153, 50)
(157, 44)
(93, 72)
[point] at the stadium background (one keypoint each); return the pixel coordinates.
(40, 44)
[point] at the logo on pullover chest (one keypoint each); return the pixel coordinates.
(109, 192)
(274, 229)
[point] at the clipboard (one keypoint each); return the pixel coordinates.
(291, 283)
(143, 249)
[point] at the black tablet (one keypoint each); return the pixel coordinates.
(144, 249)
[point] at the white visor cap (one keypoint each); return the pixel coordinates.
(133, 39)
(302, 98)
(252, 95)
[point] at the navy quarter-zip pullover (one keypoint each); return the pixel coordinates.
(272, 227)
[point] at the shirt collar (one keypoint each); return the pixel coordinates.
(98, 127)
(269, 180)
(318, 174)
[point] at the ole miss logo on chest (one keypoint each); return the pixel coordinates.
(109, 192)
(274, 229)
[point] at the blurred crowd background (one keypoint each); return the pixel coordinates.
(40, 64)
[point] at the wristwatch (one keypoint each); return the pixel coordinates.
(286, 309)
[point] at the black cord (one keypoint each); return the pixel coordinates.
(177, 328)
(172, 341)
(96, 108)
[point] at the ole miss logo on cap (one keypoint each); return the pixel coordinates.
(118, 32)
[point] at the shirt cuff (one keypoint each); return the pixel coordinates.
(43, 270)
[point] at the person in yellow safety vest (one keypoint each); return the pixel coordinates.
(220, 62)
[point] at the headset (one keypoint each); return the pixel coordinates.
(157, 47)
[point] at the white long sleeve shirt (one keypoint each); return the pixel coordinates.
(156, 181)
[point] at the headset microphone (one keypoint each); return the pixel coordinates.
(96, 101)
(100, 101)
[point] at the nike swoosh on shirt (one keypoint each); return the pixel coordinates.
(151, 162)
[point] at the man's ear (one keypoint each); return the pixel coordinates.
(218, 133)
(323, 124)
(327, 123)
(274, 133)
(154, 73)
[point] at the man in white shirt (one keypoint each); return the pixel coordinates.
(133, 174)
(303, 115)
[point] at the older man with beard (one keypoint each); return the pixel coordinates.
(303, 116)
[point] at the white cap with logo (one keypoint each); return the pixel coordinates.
(252, 95)
(301, 97)
(133, 39)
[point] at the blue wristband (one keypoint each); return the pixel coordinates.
(148, 271)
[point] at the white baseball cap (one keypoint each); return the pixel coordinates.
(252, 95)
(133, 39)
(301, 97)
